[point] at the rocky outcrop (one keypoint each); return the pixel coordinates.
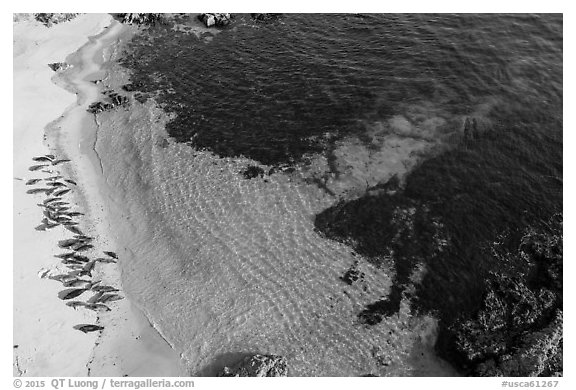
(49, 19)
(352, 274)
(518, 329)
(537, 354)
(118, 100)
(217, 20)
(115, 101)
(56, 66)
(98, 107)
(253, 171)
(141, 19)
(258, 366)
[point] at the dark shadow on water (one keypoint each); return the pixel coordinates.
(375, 312)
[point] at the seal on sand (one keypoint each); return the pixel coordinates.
(70, 293)
(68, 243)
(97, 307)
(56, 162)
(37, 167)
(75, 304)
(104, 289)
(88, 328)
(73, 229)
(42, 159)
(104, 260)
(111, 254)
(83, 247)
(61, 192)
(110, 298)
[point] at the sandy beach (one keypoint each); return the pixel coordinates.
(50, 118)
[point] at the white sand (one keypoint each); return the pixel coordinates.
(47, 344)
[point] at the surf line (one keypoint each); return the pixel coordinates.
(89, 78)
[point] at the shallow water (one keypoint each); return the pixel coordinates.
(227, 266)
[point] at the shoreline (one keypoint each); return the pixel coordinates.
(127, 345)
(113, 192)
(184, 238)
(137, 345)
(218, 265)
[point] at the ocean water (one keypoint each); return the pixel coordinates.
(358, 123)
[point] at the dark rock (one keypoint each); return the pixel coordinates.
(213, 19)
(98, 107)
(253, 171)
(119, 100)
(517, 330)
(538, 354)
(258, 366)
(207, 19)
(352, 275)
(381, 356)
(56, 66)
(142, 19)
(132, 87)
(116, 101)
(141, 98)
(48, 19)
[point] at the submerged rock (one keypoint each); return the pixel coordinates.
(253, 171)
(56, 66)
(352, 274)
(218, 20)
(133, 86)
(116, 100)
(259, 366)
(99, 107)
